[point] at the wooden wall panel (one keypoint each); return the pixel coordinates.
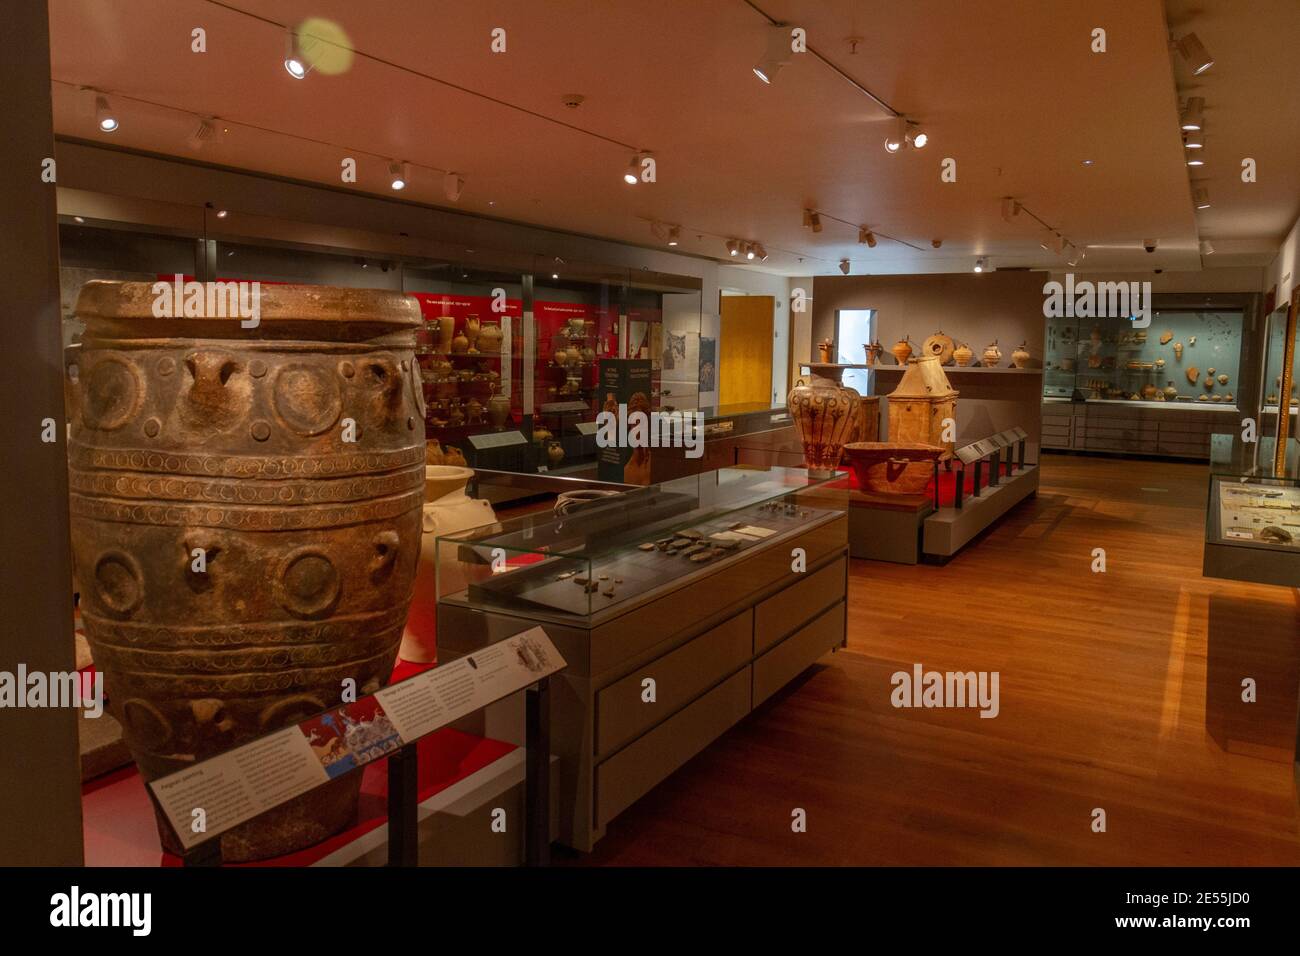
(745, 352)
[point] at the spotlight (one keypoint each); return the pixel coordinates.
(555, 275)
(776, 54)
(397, 175)
(295, 55)
(749, 251)
(895, 138)
(1194, 139)
(78, 219)
(917, 137)
(1193, 51)
(815, 221)
(844, 266)
(807, 218)
(221, 214)
(733, 247)
(633, 173)
(104, 117)
(1201, 197)
(936, 243)
(202, 134)
(1192, 113)
(1076, 256)
(981, 264)
(1057, 244)
(673, 235)
(865, 235)
(1207, 247)
(762, 253)
(1195, 161)
(1010, 208)
(453, 184)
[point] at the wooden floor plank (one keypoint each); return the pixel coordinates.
(1119, 690)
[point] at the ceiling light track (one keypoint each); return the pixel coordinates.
(865, 234)
(827, 63)
(1057, 243)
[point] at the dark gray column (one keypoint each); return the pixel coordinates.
(40, 795)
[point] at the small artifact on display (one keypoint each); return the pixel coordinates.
(1020, 356)
(940, 346)
(827, 349)
(873, 353)
(892, 468)
(291, 457)
(902, 350)
(993, 355)
(963, 355)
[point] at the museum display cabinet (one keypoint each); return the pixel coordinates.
(1161, 390)
(1252, 528)
(678, 608)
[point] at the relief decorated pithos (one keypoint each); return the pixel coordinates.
(238, 556)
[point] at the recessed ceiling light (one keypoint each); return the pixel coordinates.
(1196, 161)
(1089, 162)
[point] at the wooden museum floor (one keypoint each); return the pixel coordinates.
(1119, 690)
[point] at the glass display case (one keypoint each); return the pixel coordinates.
(1187, 355)
(1252, 526)
(613, 549)
(1271, 404)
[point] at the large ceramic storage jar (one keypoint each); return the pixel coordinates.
(289, 458)
(826, 415)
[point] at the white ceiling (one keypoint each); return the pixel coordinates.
(1008, 88)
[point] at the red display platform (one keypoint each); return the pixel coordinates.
(947, 484)
(118, 818)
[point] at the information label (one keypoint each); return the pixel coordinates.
(215, 795)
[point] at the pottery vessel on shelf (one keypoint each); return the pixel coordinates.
(1171, 393)
(472, 330)
(447, 511)
(498, 407)
(561, 357)
(446, 332)
(992, 355)
(940, 346)
(892, 468)
(902, 350)
(474, 411)
(196, 434)
(460, 343)
(873, 353)
(554, 453)
(489, 338)
(962, 355)
(825, 414)
(1020, 356)
(827, 349)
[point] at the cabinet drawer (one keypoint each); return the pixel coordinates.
(797, 652)
(680, 676)
(634, 770)
(786, 610)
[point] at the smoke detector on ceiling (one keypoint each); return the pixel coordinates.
(572, 100)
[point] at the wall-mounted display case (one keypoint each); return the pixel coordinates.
(1186, 356)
